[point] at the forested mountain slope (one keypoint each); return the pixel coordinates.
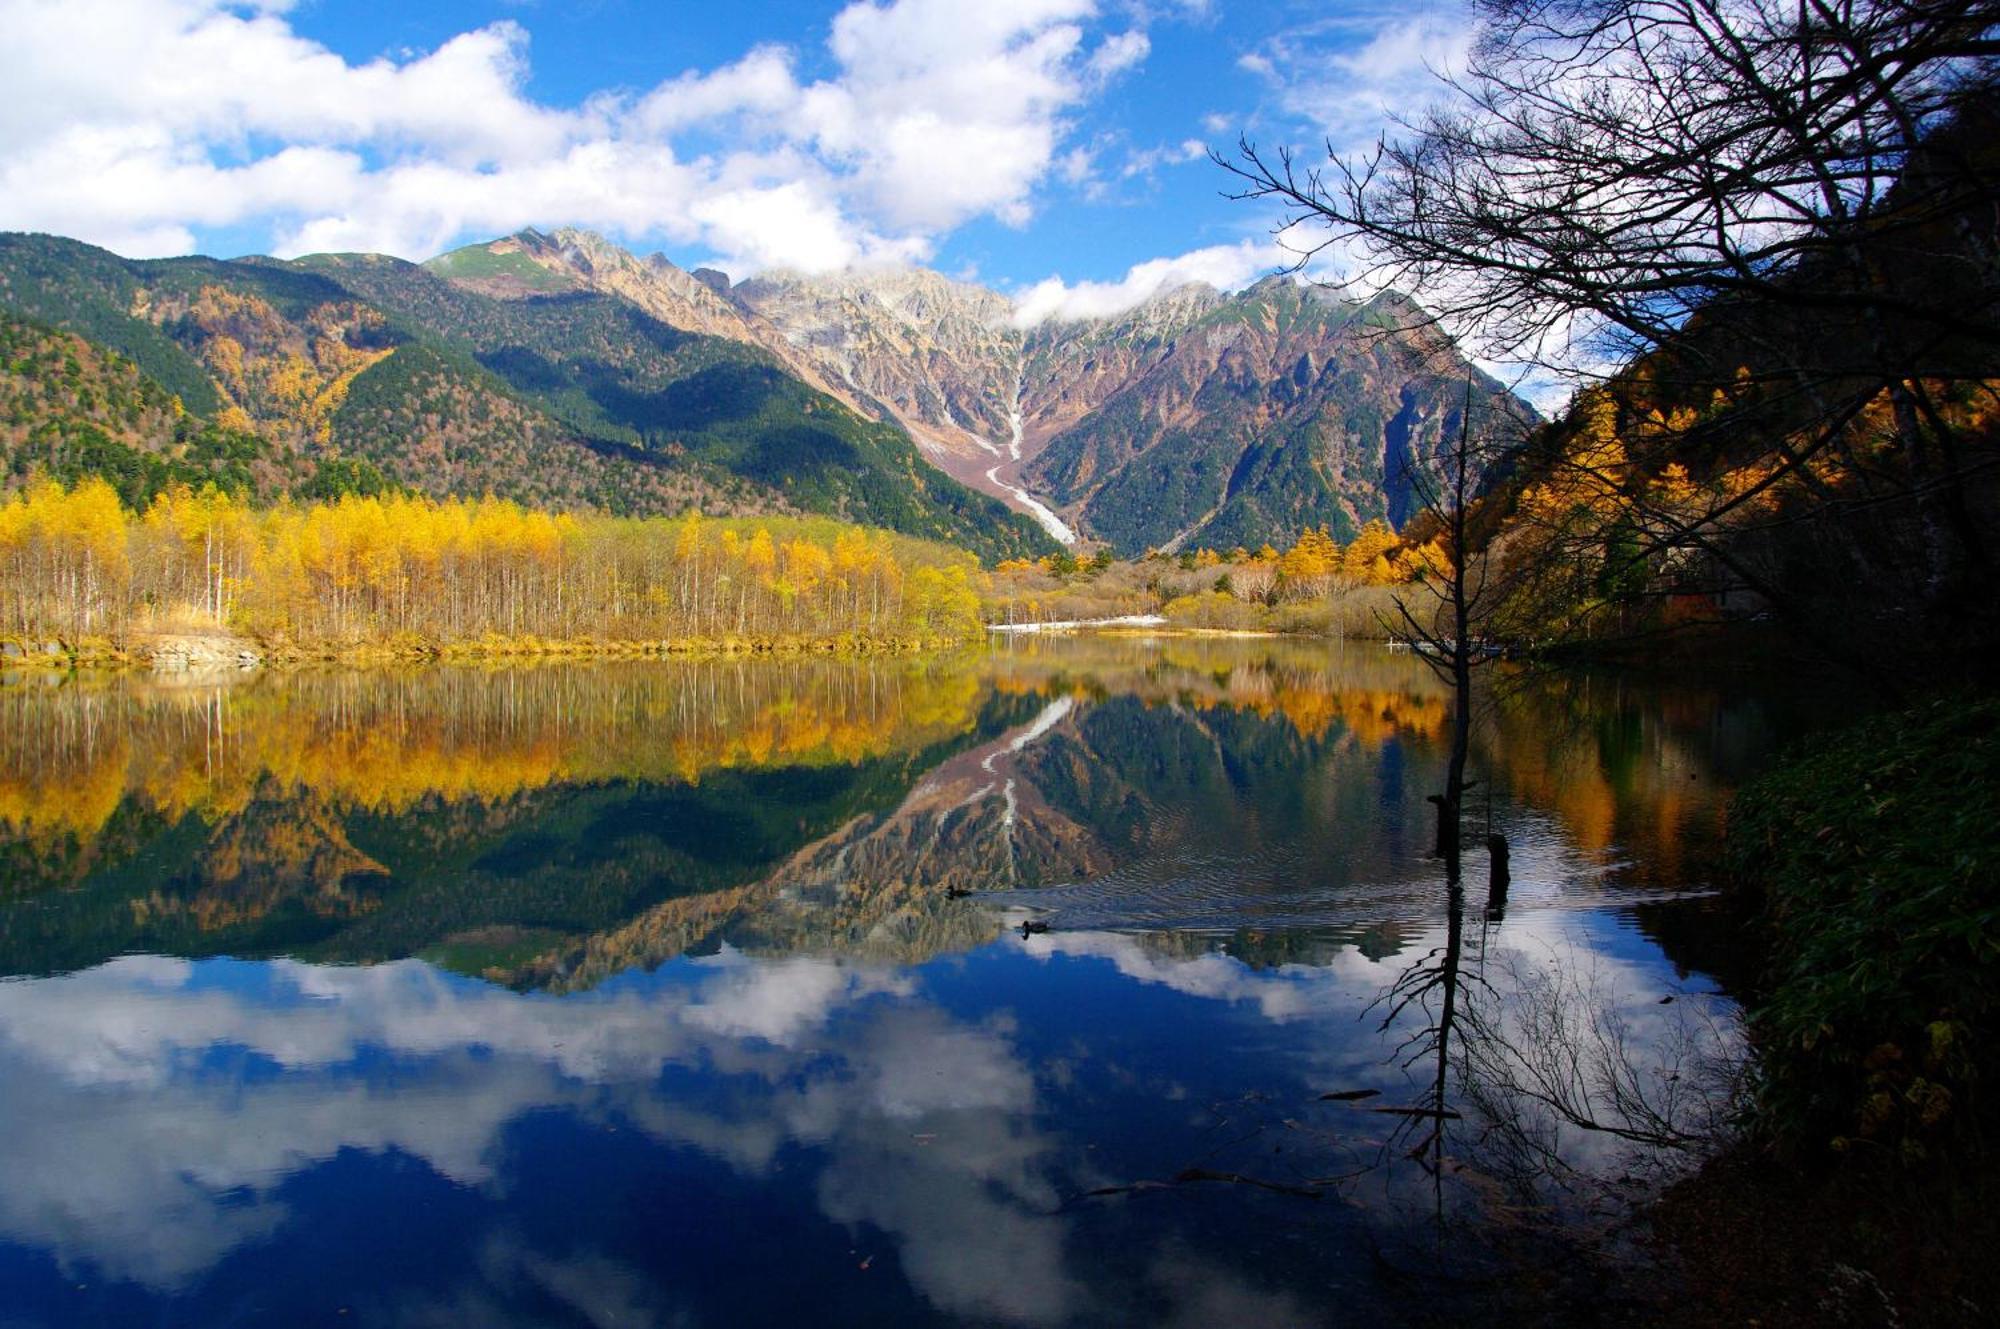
(560, 397)
(70, 408)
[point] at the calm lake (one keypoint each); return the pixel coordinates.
(699, 994)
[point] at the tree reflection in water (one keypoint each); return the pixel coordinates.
(1545, 1109)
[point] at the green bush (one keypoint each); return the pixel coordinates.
(1878, 853)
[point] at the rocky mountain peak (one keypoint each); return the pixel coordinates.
(940, 356)
(928, 303)
(1194, 415)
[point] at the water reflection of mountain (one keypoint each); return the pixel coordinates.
(1135, 783)
(552, 826)
(364, 817)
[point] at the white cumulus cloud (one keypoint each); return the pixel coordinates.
(139, 123)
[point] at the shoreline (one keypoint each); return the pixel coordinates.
(1042, 627)
(176, 653)
(170, 653)
(1156, 625)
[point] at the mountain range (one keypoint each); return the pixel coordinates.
(560, 369)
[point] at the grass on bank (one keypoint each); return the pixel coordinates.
(1877, 855)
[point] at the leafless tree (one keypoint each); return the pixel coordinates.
(1784, 211)
(1440, 615)
(1606, 169)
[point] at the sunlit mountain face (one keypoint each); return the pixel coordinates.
(1008, 987)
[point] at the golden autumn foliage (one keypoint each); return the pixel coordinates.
(64, 552)
(412, 570)
(383, 743)
(1367, 558)
(1310, 565)
(1594, 470)
(1309, 588)
(1623, 523)
(1316, 562)
(270, 370)
(1429, 560)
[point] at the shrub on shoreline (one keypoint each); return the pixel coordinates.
(1877, 852)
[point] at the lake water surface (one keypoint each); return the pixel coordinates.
(698, 994)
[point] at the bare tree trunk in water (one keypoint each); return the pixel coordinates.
(1451, 656)
(1461, 670)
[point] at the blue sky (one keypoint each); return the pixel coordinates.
(1052, 148)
